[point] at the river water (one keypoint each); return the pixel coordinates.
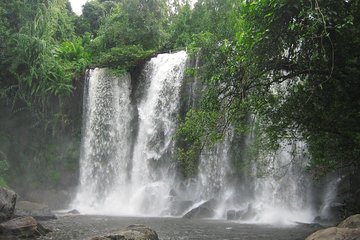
(87, 226)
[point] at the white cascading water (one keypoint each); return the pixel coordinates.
(284, 196)
(152, 176)
(122, 173)
(106, 129)
(329, 198)
(213, 170)
(111, 181)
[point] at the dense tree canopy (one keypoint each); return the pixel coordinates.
(292, 65)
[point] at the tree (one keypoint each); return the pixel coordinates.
(132, 31)
(294, 65)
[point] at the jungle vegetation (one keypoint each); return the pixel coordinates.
(294, 66)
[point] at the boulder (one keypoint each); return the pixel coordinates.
(132, 232)
(74, 211)
(205, 210)
(317, 219)
(351, 222)
(250, 213)
(335, 233)
(349, 229)
(231, 215)
(178, 207)
(7, 204)
(22, 227)
(36, 210)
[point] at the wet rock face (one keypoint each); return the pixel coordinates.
(179, 207)
(7, 204)
(205, 210)
(132, 232)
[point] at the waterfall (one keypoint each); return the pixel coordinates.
(284, 194)
(154, 148)
(329, 198)
(128, 162)
(117, 177)
(213, 169)
(106, 129)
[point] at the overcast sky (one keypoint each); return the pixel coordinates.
(76, 5)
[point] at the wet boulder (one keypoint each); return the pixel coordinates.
(38, 211)
(7, 204)
(22, 227)
(236, 214)
(335, 233)
(178, 207)
(250, 213)
(132, 232)
(231, 215)
(205, 210)
(349, 229)
(74, 211)
(351, 222)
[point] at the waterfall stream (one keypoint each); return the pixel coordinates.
(128, 162)
(114, 180)
(106, 130)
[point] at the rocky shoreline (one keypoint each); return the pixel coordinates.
(19, 220)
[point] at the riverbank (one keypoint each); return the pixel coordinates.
(76, 227)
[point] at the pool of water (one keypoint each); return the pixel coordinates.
(85, 227)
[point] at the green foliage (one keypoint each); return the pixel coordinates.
(4, 166)
(40, 60)
(73, 57)
(93, 12)
(191, 138)
(32, 71)
(180, 30)
(3, 183)
(124, 58)
(294, 65)
(300, 62)
(217, 17)
(130, 32)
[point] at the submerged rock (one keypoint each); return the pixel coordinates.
(205, 210)
(74, 211)
(22, 227)
(36, 210)
(132, 232)
(7, 204)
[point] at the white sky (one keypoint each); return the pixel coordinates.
(76, 5)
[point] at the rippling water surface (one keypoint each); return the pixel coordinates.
(84, 227)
